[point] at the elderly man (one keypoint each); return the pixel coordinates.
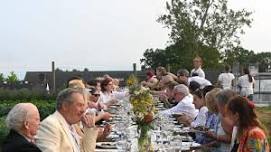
(185, 104)
(57, 132)
(23, 121)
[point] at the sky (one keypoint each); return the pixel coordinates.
(96, 34)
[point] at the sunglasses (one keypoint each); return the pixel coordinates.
(96, 95)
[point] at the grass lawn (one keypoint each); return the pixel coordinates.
(264, 113)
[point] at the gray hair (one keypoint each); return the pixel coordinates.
(18, 115)
(183, 72)
(182, 89)
(224, 96)
(65, 96)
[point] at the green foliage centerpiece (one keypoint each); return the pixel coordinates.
(143, 108)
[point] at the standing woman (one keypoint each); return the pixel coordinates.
(246, 84)
(197, 63)
(250, 134)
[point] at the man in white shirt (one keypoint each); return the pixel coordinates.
(185, 103)
(183, 76)
(226, 78)
(197, 62)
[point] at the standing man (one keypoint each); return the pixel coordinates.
(57, 132)
(197, 71)
(23, 121)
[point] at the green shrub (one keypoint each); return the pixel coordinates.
(24, 94)
(45, 107)
(3, 130)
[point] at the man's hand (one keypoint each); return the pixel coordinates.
(88, 120)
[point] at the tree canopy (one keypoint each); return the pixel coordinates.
(12, 78)
(198, 27)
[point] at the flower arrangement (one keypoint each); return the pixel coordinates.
(143, 109)
(141, 100)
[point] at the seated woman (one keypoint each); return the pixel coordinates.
(223, 128)
(199, 102)
(251, 134)
(108, 96)
(211, 116)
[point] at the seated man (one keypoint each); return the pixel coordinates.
(185, 103)
(184, 78)
(57, 132)
(23, 121)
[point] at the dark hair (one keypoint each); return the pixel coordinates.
(92, 82)
(207, 89)
(92, 90)
(193, 86)
(104, 83)
(227, 68)
(195, 74)
(247, 115)
(198, 93)
(246, 71)
(150, 73)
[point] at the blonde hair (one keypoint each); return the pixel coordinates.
(210, 99)
(76, 84)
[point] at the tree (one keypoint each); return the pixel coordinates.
(2, 78)
(198, 27)
(205, 22)
(158, 57)
(263, 60)
(239, 54)
(86, 70)
(12, 78)
(178, 56)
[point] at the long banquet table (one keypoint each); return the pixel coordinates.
(166, 133)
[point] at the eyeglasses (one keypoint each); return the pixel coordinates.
(96, 95)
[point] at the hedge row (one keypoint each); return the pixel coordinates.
(45, 107)
(3, 130)
(24, 94)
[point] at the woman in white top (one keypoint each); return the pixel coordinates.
(246, 84)
(197, 63)
(225, 79)
(108, 96)
(199, 102)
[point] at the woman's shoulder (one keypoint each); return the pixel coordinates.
(256, 132)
